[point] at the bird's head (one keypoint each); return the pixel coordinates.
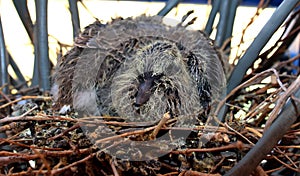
(154, 81)
(146, 87)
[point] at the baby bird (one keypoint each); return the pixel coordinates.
(139, 68)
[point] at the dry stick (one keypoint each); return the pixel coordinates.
(286, 165)
(2, 140)
(61, 162)
(6, 153)
(25, 98)
(161, 123)
(296, 30)
(235, 106)
(226, 42)
(239, 134)
(168, 174)
(281, 102)
(295, 98)
(254, 131)
(260, 6)
(114, 144)
(236, 145)
(14, 125)
(44, 160)
(283, 63)
(125, 135)
(218, 164)
(29, 111)
(10, 126)
(196, 173)
(260, 172)
(157, 127)
(4, 85)
(75, 126)
(27, 146)
(9, 157)
(113, 167)
(244, 84)
(276, 169)
(4, 96)
(296, 124)
(273, 170)
(60, 170)
(286, 156)
(101, 120)
(5, 160)
(269, 100)
(35, 118)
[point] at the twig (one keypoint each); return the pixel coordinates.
(254, 131)
(158, 127)
(284, 63)
(281, 101)
(295, 98)
(10, 157)
(35, 118)
(239, 134)
(196, 173)
(125, 135)
(257, 13)
(4, 96)
(75, 126)
(286, 165)
(29, 111)
(237, 145)
(3, 86)
(60, 170)
(264, 104)
(257, 77)
(287, 157)
(44, 160)
(25, 98)
(113, 167)
(260, 172)
(161, 123)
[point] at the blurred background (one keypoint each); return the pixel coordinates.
(60, 35)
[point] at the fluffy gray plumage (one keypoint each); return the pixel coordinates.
(140, 69)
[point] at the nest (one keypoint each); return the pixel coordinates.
(41, 141)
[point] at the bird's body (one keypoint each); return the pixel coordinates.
(139, 68)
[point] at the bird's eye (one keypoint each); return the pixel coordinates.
(140, 78)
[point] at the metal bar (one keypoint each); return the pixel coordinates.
(231, 16)
(4, 78)
(212, 16)
(22, 9)
(259, 42)
(42, 42)
(75, 17)
(273, 3)
(168, 7)
(291, 26)
(3, 61)
(36, 75)
(223, 22)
